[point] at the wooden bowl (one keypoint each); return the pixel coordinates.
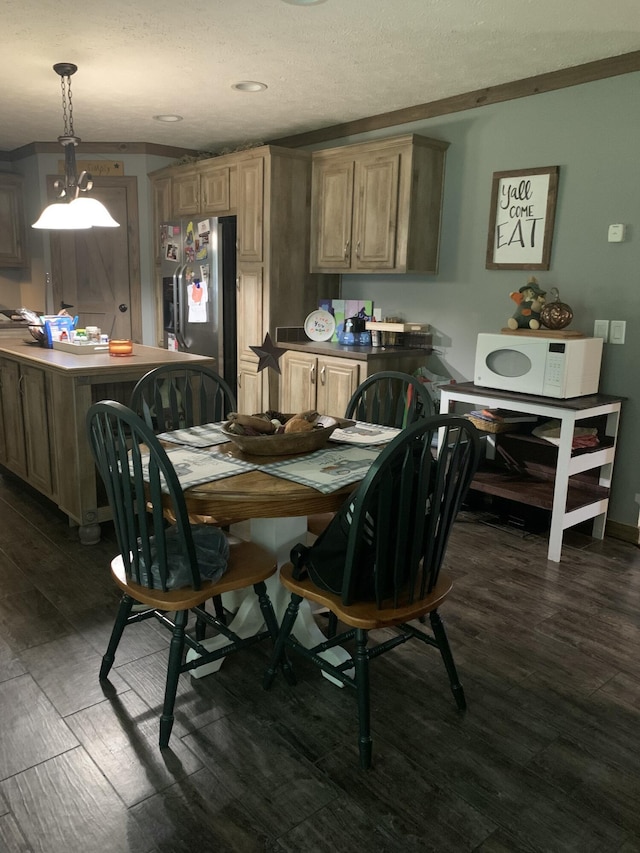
(285, 444)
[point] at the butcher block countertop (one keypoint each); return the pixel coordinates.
(97, 364)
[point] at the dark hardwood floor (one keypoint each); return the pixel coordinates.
(546, 757)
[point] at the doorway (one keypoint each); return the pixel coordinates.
(97, 271)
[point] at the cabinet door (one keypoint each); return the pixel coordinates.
(376, 213)
(250, 210)
(214, 189)
(161, 190)
(337, 380)
(249, 312)
(36, 429)
(12, 236)
(250, 396)
(186, 194)
(15, 452)
(331, 215)
(299, 373)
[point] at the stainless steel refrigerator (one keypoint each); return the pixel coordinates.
(199, 289)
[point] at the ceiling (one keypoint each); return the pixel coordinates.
(323, 64)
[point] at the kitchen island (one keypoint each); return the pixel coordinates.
(45, 395)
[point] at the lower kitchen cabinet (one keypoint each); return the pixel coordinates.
(26, 427)
(325, 376)
(317, 382)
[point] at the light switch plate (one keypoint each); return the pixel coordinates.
(601, 330)
(618, 329)
(616, 234)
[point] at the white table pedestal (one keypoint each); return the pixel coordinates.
(278, 535)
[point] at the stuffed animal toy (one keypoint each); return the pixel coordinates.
(530, 300)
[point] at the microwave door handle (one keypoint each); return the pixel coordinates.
(179, 303)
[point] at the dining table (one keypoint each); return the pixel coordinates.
(267, 499)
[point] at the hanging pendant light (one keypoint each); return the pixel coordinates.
(73, 211)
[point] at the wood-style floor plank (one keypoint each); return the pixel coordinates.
(544, 760)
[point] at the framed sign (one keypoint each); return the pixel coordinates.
(523, 208)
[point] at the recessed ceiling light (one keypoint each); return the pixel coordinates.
(249, 86)
(168, 117)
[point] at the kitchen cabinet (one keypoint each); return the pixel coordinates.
(317, 382)
(13, 251)
(44, 400)
(376, 206)
(250, 210)
(324, 376)
(572, 484)
(27, 429)
(162, 208)
(269, 190)
(201, 190)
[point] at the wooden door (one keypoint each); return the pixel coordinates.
(12, 237)
(215, 190)
(35, 404)
(15, 451)
(250, 210)
(97, 271)
(299, 371)
(331, 215)
(337, 380)
(376, 213)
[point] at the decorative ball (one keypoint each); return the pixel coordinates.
(556, 314)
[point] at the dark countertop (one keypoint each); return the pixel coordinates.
(357, 353)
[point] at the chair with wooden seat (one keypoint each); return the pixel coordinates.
(388, 398)
(140, 482)
(387, 573)
(175, 396)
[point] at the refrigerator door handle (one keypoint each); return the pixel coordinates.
(178, 301)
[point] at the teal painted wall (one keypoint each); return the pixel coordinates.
(592, 132)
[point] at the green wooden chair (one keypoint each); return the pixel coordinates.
(401, 516)
(140, 481)
(390, 398)
(177, 396)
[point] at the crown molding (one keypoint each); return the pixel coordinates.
(548, 82)
(120, 148)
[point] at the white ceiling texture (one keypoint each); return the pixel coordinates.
(324, 63)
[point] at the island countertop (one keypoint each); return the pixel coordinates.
(97, 363)
(44, 400)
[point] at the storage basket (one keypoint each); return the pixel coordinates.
(490, 426)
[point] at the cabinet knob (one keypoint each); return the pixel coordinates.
(358, 249)
(346, 250)
(322, 374)
(313, 375)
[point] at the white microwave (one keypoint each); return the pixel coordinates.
(549, 367)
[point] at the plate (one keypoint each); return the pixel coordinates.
(320, 325)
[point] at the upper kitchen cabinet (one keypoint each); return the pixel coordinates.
(375, 206)
(13, 251)
(202, 190)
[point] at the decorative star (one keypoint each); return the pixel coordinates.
(268, 354)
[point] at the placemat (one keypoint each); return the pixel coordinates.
(204, 435)
(364, 434)
(326, 470)
(196, 466)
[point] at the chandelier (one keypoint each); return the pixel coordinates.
(73, 210)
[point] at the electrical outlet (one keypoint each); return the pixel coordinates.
(618, 331)
(601, 330)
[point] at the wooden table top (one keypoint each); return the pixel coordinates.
(257, 494)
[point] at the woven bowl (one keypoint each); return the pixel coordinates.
(285, 444)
